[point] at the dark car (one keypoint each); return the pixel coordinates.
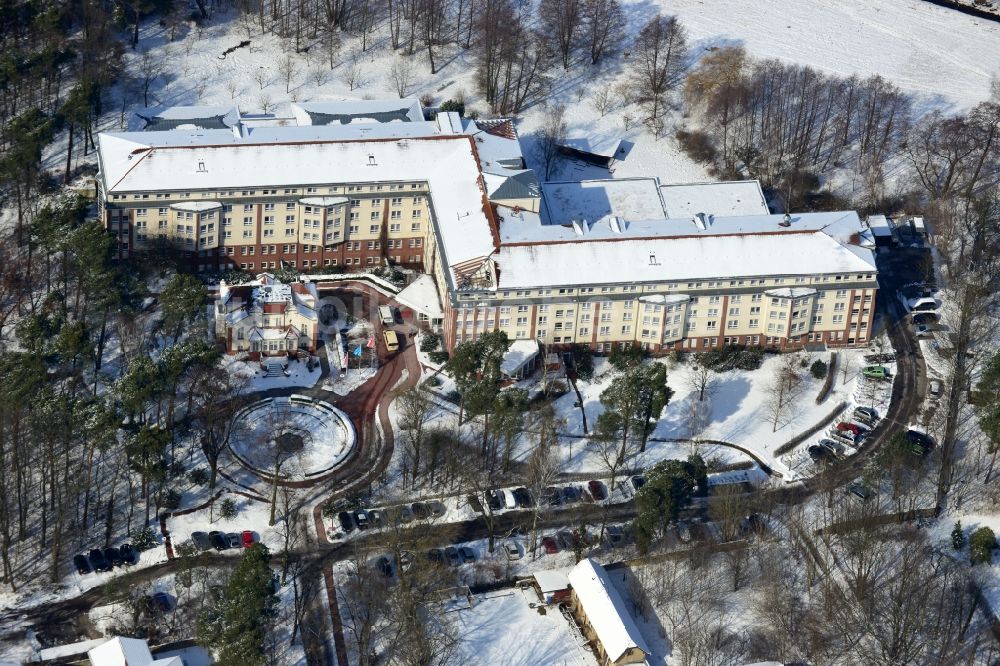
(361, 519)
(615, 535)
(384, 566)
(925, 319)
(638, 481)
(377, 518)
(467, 554)
(565, 539)
(438, 509)
(158, 603)
(819, 453)
(451, 554)
(597, 490)
(920, 443)
(81, 564)
(113, 556)
(523, 498)
(550, 545)
(420, 510)
(97, 560)
(218, 540)
(346, 521)
(234, 539)
(860, 490)
(572, 494)
(435, 556)
(129, 554)
(200, 540)
(552, 496)
(474, 502)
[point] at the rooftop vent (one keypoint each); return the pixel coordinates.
(617, 224)
(201, 167)
(700, 221)
(580, 227)
(371, 160)
(652, 259)
(786, 221)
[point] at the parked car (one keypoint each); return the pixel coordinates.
(860, 490)
(934, 387)
(875, 371)
(597, 490)
(512, 550)
(920, 442)
(438, 509)
(474, 502)
(129, 554)
(158, 603)
(523, 498)
(247, 538)
(384, 566)
(451, 554)
(467, 554)
(361, 519)
(508, 499)
(218, 540)
(377, 518)
(614, 535)
(346, 521)
(234, 540)
(435, 556)
(420, 510)
(922, 330)
(868, 412)
(113, 556)
(835, 448)
(565, 539)
(852, 428)
(97, 560)
(82, 564)
(572, 494)
(925, 319)
(200, 541)
(552, 496)
(550, 545)
(400, 514)
(818, 454)
(638, 481)
(493, 499)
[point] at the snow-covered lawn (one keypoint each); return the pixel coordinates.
(988, 576)
(736, 413)
(502, 628)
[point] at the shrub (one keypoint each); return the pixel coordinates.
(143, 538)
(438, 357)
(957, 536)
(732, 357)
(198, 476)
(171, 500)
(630, 356)
(433, 381)
(329, 508)
(176, 469)
(981, 545)
(818, 369)
(456, 105)
(697, 145)
(228, 508)
(426, 100)
(429, 342)
(677, 356)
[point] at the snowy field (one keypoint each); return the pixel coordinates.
(502, 628)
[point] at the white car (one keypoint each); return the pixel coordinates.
(512, 550)
(508, 499)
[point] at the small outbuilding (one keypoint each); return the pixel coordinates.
(551, 586)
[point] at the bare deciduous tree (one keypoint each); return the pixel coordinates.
(659, 58)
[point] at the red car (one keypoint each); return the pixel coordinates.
(596, 489)
(550, 545)
(247, 538)
(852, 428)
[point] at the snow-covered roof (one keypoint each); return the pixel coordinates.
(220, 160)
(880, 225)
(169, 661)
(323, 201)
(159, 118)
(512, 185)
(601, 146)
(196, 206)
(357, 111)
(421, 295)
(740, 197)
(611, 258)
(551, 581)
(519, 353)
(596, 200)
(605, 609)
(496, 144)
(790, 292)
(754, 476)
(121, 651)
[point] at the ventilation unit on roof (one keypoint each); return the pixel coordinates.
(201, 167)
(652, 259)
(371, 160)
(786, 221)
(700, 221)
(617, 224)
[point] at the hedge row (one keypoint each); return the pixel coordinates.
(828, 383)
(801, 437)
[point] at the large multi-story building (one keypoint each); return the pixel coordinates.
(600, 262)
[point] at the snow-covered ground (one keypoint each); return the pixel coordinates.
(502, 628)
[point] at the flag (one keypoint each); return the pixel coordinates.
(371, 342)
(357, 350)
(343, 360)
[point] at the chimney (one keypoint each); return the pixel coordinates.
(699, 221)
(201, 167)
(786, 221)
